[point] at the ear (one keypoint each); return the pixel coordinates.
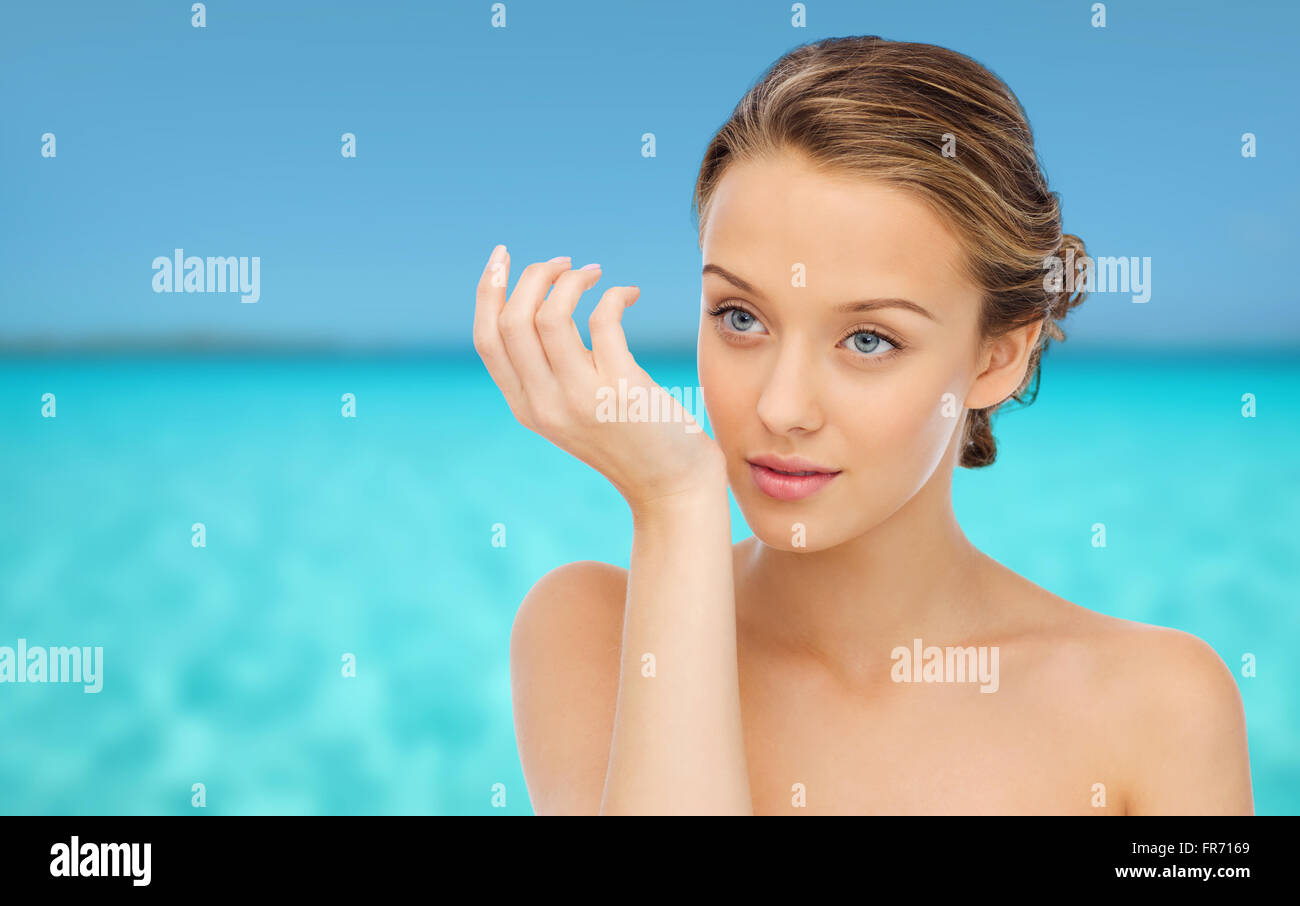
(1003, 362)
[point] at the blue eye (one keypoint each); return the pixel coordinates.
(734, 319)
(868, 342)
(740, 320)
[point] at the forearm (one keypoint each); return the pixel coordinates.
(677, 745)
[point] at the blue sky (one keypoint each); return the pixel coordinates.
(225, 141)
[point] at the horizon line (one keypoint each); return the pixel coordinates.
(206, 344)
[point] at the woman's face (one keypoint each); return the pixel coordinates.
(800, 356)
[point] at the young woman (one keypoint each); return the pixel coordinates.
(876, 235)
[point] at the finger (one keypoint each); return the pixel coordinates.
(608, 342)
(570, 360)
(490, 297)
(519, 331)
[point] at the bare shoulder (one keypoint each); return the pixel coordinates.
(565, 649)
(1164, 701)
(1185, 725)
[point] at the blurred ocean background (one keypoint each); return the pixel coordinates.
(560, 127)
(373, 536)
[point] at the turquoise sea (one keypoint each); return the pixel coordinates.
(373, 536)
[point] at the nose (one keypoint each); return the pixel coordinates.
(790, 399)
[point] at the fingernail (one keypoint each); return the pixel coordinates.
(590, 267)
(496, 254)
(558, 258)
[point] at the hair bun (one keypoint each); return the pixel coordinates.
(1062, 302)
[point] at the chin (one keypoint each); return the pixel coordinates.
(795, 527)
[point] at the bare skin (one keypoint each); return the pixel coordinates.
(772, 690)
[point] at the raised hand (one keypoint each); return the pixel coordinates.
(558, 388)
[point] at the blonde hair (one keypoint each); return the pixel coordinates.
(888, 110)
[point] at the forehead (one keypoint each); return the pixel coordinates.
(852, 234)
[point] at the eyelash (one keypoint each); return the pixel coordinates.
(898, 345)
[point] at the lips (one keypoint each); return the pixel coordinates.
(789, 478)
(790, 464)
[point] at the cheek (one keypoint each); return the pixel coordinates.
(723, 387)
(899, 421)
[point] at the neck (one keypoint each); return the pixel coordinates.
(915, 575)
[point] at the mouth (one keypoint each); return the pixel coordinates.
(789, 479)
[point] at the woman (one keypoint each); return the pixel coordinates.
(878, 240)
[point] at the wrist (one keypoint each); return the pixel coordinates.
(706, 490)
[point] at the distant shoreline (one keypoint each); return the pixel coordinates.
(218, 346)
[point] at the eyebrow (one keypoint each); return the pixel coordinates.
(862, 305)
